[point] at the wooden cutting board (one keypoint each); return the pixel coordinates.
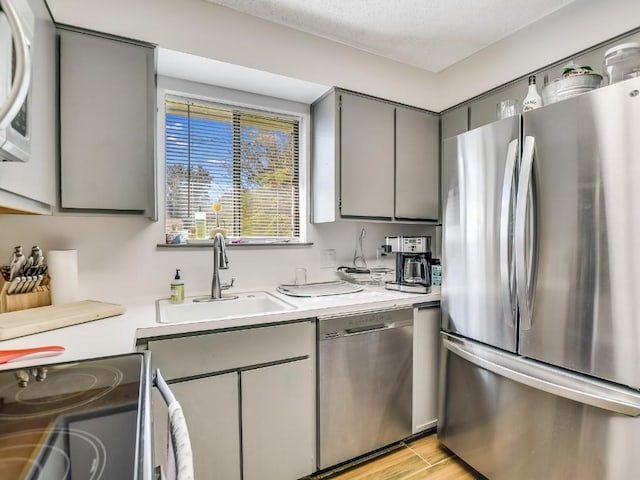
(41, 319)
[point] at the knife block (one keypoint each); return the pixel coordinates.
(39, 297)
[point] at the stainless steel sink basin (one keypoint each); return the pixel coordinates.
(247, 304)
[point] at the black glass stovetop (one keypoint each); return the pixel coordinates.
(68, 421)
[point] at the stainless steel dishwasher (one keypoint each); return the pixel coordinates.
(364, 383)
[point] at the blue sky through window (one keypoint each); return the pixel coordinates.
(201, 169)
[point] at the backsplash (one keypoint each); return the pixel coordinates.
(118, 259)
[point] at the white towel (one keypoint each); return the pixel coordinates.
(179, 456)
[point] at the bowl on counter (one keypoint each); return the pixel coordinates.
(570, 86)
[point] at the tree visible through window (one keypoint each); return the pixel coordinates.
(242, 163)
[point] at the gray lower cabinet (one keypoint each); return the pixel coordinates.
(211, 409)
(248, 397)
(278, 415)
(426, 358)
(107, 123)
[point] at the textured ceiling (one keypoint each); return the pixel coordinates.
(430, 34)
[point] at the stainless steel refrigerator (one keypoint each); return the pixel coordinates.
(541, 291)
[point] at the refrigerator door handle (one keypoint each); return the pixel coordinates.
(589, 392)
(506, 259)
(523, 277)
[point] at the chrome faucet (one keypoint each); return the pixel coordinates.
(220, 262)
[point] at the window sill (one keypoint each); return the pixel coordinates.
(209, 244)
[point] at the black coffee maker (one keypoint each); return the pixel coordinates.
(413, 263)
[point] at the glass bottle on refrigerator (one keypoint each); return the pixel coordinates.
(533, 99)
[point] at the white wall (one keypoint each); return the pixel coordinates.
(119, 261)
(118, 257)
(208, 30)
(576, 27)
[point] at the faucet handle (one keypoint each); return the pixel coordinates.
(227, 286)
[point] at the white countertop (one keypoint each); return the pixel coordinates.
(120, 334)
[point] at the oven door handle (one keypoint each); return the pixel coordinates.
(180, 444)
(22, 79)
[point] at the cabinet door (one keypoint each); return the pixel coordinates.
(278, 422)
(366, 157)
(426, 356)
(211, 409)
(107, 104)
(417, 165)
(455, 122)
(484, 110)
(234, 349)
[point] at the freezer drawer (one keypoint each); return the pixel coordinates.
(509, 417)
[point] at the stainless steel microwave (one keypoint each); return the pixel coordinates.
(16, 40)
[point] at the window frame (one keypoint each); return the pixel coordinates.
(169, 87)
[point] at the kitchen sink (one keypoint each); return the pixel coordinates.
(247, 304)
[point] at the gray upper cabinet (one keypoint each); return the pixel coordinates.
(366, 157)
(455, 122)
(417, 173)
(107, 124)
(484, 110)
(373, 159)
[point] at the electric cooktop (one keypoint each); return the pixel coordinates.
(77, 420)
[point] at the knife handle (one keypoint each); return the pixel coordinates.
(22, 288)
(38, 281)
(31, 284)
(12, 287)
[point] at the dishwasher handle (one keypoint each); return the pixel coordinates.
(342, 325)
(368, 329)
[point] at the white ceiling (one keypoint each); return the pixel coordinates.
(429, 34)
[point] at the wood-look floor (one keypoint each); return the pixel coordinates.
(423, 458)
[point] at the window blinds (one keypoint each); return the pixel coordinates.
(247, 162)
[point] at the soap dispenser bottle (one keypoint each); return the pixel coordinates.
(177, 289)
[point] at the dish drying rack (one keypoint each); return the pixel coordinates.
(319, 289)
(364, 275)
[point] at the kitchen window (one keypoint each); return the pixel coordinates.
(236, 167)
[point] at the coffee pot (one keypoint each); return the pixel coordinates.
(413, 270)
(413, 263)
